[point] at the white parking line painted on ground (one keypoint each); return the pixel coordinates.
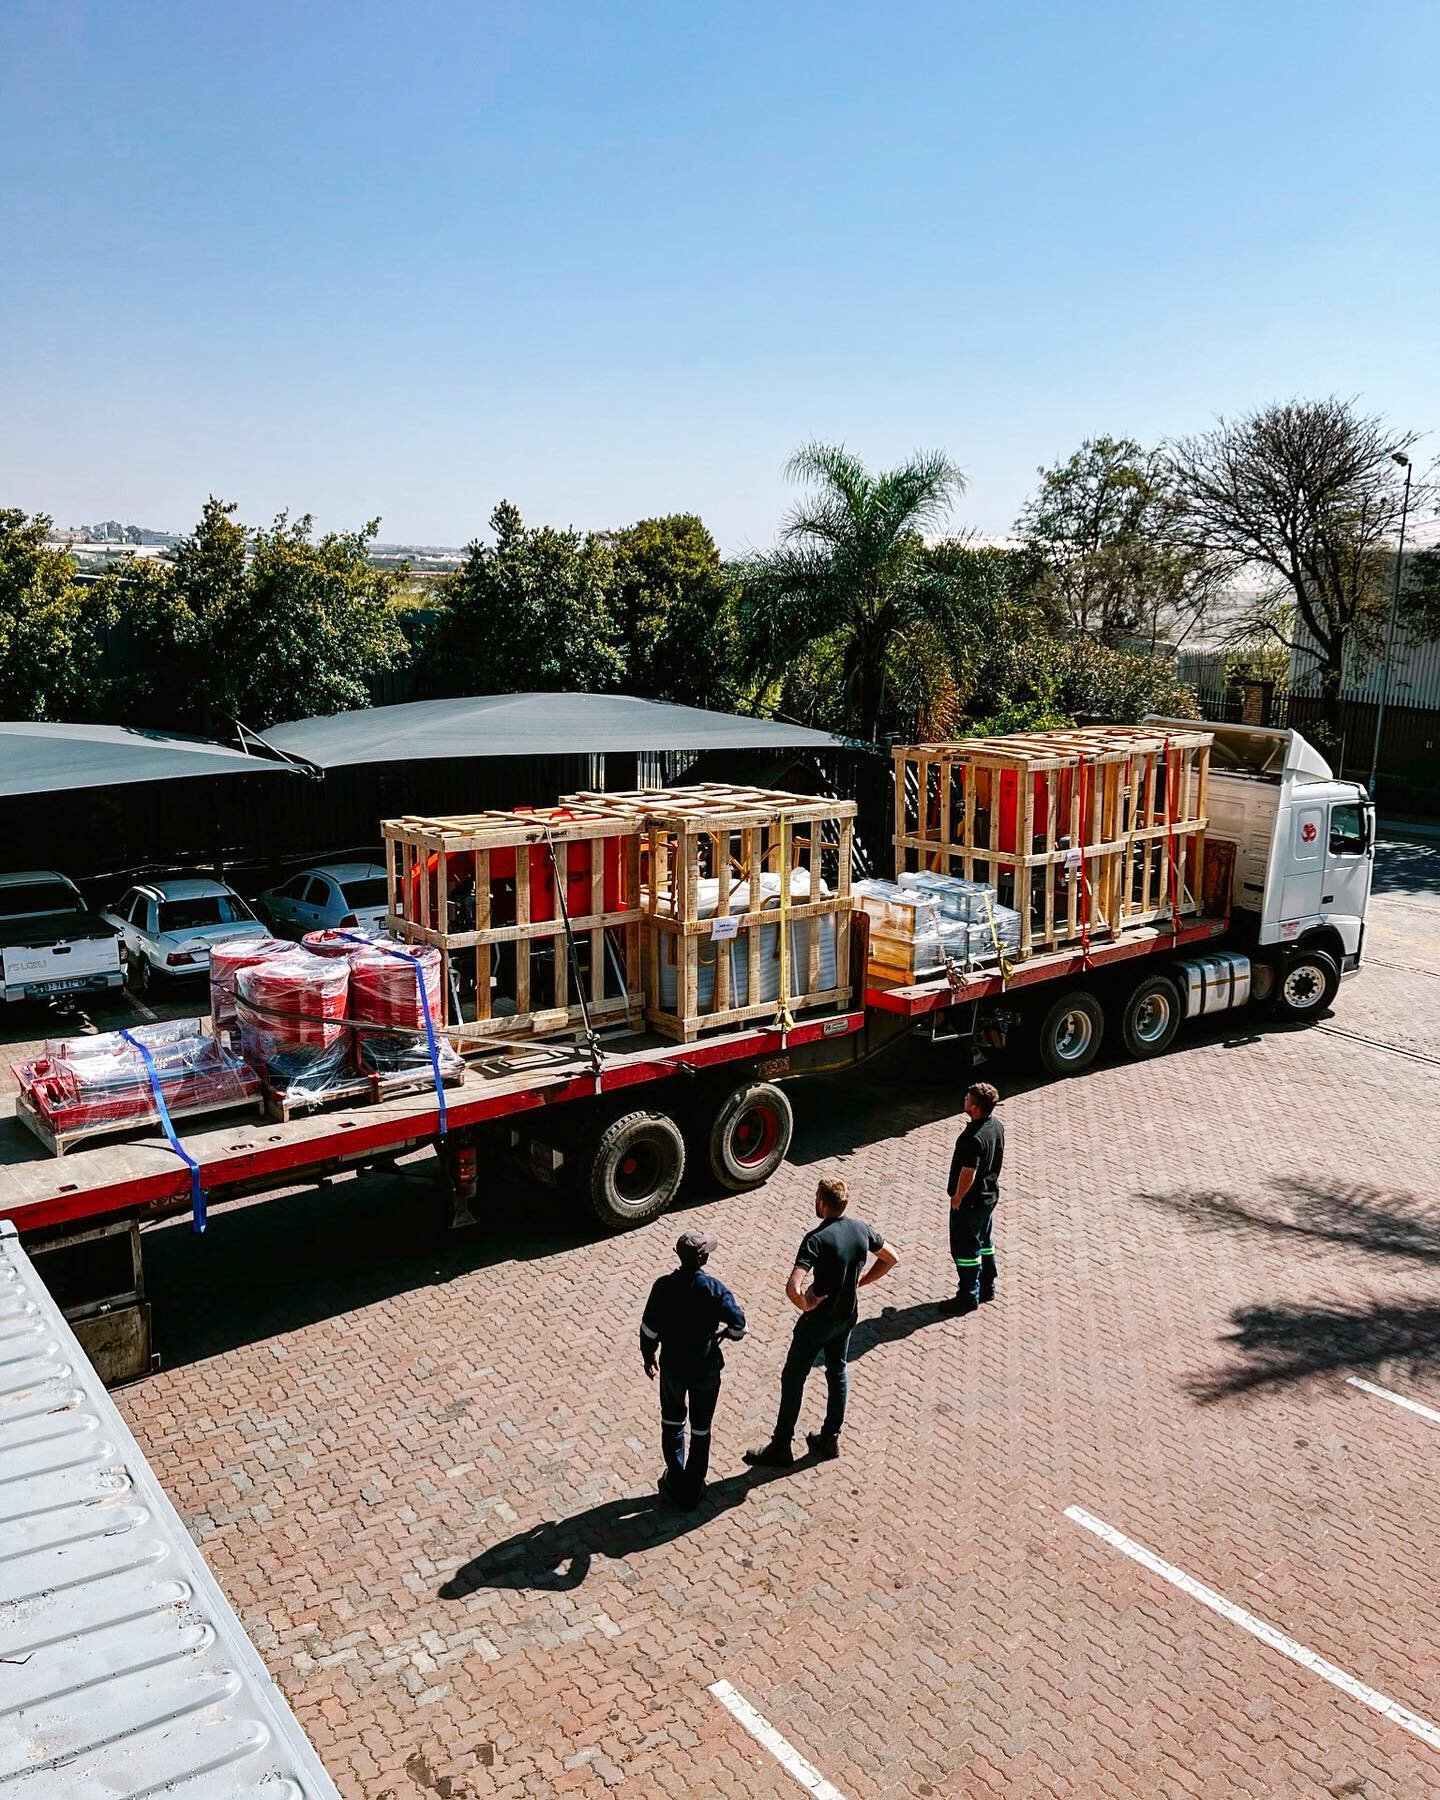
(1267, 1634)
(784, 1752)
(143, 1010)
(1369, 1387)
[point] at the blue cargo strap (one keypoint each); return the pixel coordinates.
(152, 1074)
(356, 937)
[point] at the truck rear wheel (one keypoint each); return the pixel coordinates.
(750, 1136)
(1307, 983)
(1150, 1017)
(635, 1170)
(1070, 1033)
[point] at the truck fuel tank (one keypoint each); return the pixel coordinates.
(1213, 984)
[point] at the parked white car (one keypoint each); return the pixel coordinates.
(169, 926)
(338, 895)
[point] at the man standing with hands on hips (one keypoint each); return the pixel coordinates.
(834, 1255)
(974, 1188)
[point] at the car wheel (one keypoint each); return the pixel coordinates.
(142, 976)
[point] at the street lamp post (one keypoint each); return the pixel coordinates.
(1400, 457)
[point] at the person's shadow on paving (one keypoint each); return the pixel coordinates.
(893, 1326)
(557, 1555)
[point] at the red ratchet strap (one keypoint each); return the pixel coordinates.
(1084, 874)
(1172, 786)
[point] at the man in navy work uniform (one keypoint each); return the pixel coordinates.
(834, 1255)
(687, 1314)
(974, 1189)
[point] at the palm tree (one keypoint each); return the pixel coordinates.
(850, 591)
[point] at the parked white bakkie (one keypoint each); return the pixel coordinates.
(51, 944)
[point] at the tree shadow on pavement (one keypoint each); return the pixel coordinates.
(1289, 1343)
(557, 1554)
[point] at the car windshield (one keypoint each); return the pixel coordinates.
(31, 899)
(204, 909)
(369, 890)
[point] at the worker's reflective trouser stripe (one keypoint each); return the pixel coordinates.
(970, 1247)
(696, 1395)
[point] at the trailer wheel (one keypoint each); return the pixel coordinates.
(1150, 1017)
(1071, 1032)
(1308, 982)
(750, 1136)
(636, 1169)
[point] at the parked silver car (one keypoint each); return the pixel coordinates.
(169, 926)
(349, 894)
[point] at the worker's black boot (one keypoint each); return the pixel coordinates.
(824, 1445)
(959, 1304)
(773, 1455)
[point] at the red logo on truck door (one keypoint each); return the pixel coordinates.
(1307, 831)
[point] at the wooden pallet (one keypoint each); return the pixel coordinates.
(1086, 832)
(720, 867)
(497, 871)
(361, 1090)
(57, 1143)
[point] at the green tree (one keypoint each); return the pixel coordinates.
(531, 613)
(275, 625)
(674, 609)
(49, 618)
(314, 622)
(1104, 526)
(1307, 493)
(1042, 681)
(848, 602)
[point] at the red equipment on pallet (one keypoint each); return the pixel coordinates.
(90, 1084)
(292, 1013)
(227, 959)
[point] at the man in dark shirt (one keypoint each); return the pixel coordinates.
(686, 1316)
(834, 1255)
(974, 1189)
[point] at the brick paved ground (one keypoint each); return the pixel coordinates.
(423, 1475)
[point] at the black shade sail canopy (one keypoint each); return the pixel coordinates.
(524, 725)
(42, 758)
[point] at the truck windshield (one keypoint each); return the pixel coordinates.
(369, 890)
(204, 909)
(39, 899)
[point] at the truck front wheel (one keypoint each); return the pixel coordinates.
(1307, 983)
(750, 1136)
(1071, 1032)
(635, 1169)
(1150, 1017)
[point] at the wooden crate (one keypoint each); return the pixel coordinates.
(720, 867)
(501, 874)
(1086, 832)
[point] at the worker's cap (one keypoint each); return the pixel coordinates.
(695, 1243)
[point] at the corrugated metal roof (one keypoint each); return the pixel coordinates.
(125, 1672)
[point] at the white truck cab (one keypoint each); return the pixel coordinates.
(1305, 852)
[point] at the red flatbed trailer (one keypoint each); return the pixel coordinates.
(551, 1102)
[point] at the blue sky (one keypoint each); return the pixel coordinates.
(610, 260)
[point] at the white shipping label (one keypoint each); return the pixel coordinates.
(1073, 860)
(728, 927)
